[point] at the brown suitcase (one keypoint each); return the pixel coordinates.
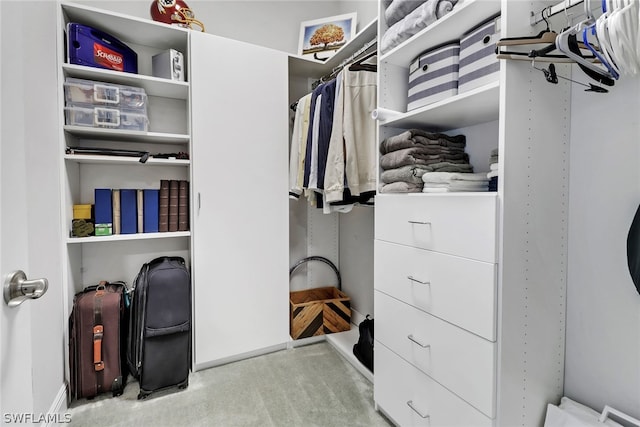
(97, 332)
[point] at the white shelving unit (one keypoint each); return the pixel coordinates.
(88, 260)
(496, 291)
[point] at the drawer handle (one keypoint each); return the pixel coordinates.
(411, 338)
(413, 279)
(419, 222)
(410, 405)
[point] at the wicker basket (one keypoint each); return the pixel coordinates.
(318, 311)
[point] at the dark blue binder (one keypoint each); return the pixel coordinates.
(150, 210)
(102, 206)
(128, 212)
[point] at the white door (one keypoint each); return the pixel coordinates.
(31, 334)
(240, 173)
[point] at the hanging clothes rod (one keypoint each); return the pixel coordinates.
(553, 10)
(365, 47)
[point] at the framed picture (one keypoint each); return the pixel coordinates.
(321, 38)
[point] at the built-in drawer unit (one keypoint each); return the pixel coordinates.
(463, 225)
(411, 398)
(459, 290)
(459, 360)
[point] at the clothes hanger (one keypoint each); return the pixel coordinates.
(545, 36)
(359, 66)
(551, 76)
(607, 62)
(567, 43)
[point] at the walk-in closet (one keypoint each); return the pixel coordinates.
(463, 172)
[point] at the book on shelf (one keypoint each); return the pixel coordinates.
(150, 208)
(183, 205)
(103, 212)
(173, 204)
(128, 211)
(163, 206)
(140, 204)
(115, 205)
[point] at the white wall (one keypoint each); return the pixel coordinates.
(274, 24)
(603, 307)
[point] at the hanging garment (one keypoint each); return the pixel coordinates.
(352, 153)
(299, 129)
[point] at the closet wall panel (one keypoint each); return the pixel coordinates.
(240, 265)
(603, 309)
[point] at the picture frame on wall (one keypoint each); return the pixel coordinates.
(322, 38)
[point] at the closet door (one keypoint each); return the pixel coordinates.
(240, 173)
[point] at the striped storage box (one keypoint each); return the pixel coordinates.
(478, 63)
(433, 75)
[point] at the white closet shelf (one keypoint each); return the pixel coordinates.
(124, 135)
(153, 86)
(452, 26)
(128, 29)
(124, 237)
(307, 67)
(117, 160)
(476, 106)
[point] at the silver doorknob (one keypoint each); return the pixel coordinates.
(18, 289)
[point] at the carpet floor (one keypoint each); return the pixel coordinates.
(304, 386)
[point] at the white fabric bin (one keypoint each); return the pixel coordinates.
(478, 63)
(433, 75)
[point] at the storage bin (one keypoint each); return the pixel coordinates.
(105, 117)
(318, 311)
(433, 75)
(478, 63)
(82, 211)
(80, 91)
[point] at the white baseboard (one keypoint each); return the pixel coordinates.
(58, 406)
(343, 342)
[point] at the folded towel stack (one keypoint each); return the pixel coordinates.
(406, 18)
(444, 182)
(406, 157)
(493, 170)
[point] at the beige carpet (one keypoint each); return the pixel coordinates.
(305, 386)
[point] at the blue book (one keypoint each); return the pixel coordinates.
(151, 202)
(102, 206)
(128, 212)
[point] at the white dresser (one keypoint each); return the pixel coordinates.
(435, 305)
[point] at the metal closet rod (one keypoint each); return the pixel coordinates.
(553, 10)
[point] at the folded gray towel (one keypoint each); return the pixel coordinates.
(418, 156)
(398, 9)
(417, 138)
(410, 173)
(423, 16)
(401, 187)
(449, 167)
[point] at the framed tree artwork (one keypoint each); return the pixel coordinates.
(321, 38)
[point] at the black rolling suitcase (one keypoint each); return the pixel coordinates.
(97, 340)
(159, 352)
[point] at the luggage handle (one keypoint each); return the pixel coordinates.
(98, 363)
(322, 259)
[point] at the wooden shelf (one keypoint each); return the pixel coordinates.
(125, 135)
(153, 86)
(126, 237)
(118, 160)
(477, 106)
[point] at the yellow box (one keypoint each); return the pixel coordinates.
(81, 211)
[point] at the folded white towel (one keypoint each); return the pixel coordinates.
(492, 174)
(448, 190)
(453, 176)
(493, 166)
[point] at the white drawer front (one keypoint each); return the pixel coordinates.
(459, 360)
(463, 225)
(459, 290)
(398, 386)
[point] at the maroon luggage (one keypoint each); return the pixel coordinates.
(97, 340)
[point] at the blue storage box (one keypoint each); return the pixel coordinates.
(94, 48)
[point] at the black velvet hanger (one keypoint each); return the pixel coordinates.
(359, 66)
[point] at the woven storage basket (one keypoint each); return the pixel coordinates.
(318, 311)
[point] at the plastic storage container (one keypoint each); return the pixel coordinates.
(433, 75)
(478, 63)
(79, 91)
(105, 117)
